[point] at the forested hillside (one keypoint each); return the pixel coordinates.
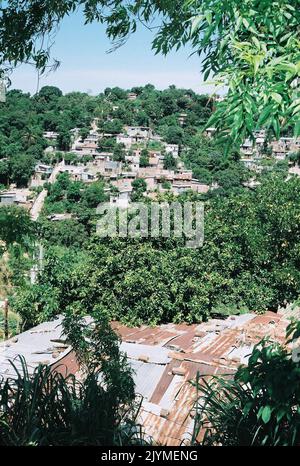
(24, 119)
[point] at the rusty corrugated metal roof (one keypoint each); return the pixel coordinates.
(164, 359)
(215, 347)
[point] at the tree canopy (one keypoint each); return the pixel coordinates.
(249, 262)
(15, 225)
(252, 47)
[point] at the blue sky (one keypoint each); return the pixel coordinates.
(86, 66)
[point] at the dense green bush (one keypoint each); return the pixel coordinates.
(42, 300)
(249, 260)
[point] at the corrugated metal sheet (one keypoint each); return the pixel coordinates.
(146, 377)
(155, 354)
(44, 344)
(172, 391)
(241, 353)
(212, 348)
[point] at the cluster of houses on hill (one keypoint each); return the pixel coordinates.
(121, 174)
(134, 138)
(130, 137)
(254, 151)
(280, 149)
(19, 196)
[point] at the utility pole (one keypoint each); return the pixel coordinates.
(38, 256)
(5, 314)
(2, 90)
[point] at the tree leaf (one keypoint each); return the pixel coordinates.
(297, 129)
(208, 16)
(277, 97)
(266, 414)
(195, 23)
(246, 23)
(256, 42)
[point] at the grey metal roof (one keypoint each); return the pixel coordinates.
(41, 344)
(112, 164)
(146, 377)
(155, 354)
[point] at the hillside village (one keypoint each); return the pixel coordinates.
(142, 155)
(120, 174)
(253, 152)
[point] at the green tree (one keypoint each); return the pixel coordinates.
(44, 300)
(139, 187)
(249, 261)
(64, 140)
(4, 172)
(84, 132)
(69, 233)
(144, 158)
(295, 157)
(119, 153)
(174, 135)
(113, 127)
(169, 162)
(15, 225)
(48, 93)
(21, 168)
(94, 194)
(70, 158)
(251, 47)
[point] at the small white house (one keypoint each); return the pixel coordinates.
(121, 199)
(172, 149)
(43, 169)
(142, 132)
(50, 135)
(17, 196)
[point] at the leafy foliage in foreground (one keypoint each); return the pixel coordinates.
(260, 406)
(252, 47)
(48, 409)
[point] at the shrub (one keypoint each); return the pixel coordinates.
(47, 409)
(260, 406)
